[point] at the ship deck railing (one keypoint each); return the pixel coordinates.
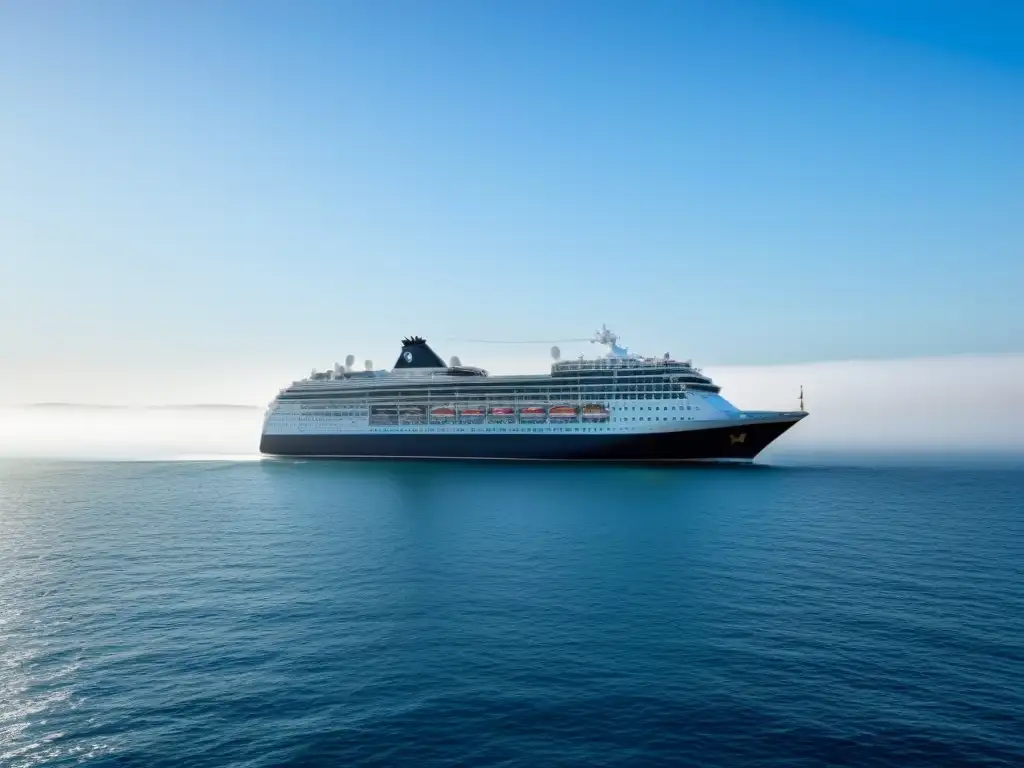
(490, 381)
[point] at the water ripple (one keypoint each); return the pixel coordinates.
(276, 613)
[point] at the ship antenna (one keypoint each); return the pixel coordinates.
(610, 340)
(801, 397)
(516, 341)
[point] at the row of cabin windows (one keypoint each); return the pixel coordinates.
(663, 385)
(657, 418)
(492, 396)
(455, 427)
(646, 370)
(327, 410)
(621, 390)
(323, 414)
(440, 394)
(658, 408)
(574, 378)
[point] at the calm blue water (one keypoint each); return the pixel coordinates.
(273, 613)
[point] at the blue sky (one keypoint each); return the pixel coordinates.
(191, 185)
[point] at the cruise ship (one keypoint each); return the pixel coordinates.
(619, 407)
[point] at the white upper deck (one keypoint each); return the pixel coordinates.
(617, 358)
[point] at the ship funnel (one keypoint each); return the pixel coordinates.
(556, 353)
(416, 353)
(454, 361)
(369, 365)
(349, 362)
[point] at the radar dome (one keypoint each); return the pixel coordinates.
(455, 362)
(369, 365)
(350, 361)
(556, 353)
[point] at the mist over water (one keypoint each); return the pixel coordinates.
(962, 405)
(82, 432)
(952, 405)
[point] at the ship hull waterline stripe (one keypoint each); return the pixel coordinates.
(737, 441)
(361, 457)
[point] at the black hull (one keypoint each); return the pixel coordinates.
(739, 441)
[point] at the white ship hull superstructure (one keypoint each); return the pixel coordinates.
(620, 407)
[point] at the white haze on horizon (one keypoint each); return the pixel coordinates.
(129, 433)
(963, 404)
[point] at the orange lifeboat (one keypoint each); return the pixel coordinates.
(532, 413)
(471, 412)
(563, 412)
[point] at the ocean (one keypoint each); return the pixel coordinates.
(303, 613)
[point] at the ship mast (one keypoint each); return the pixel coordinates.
(610, 340)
